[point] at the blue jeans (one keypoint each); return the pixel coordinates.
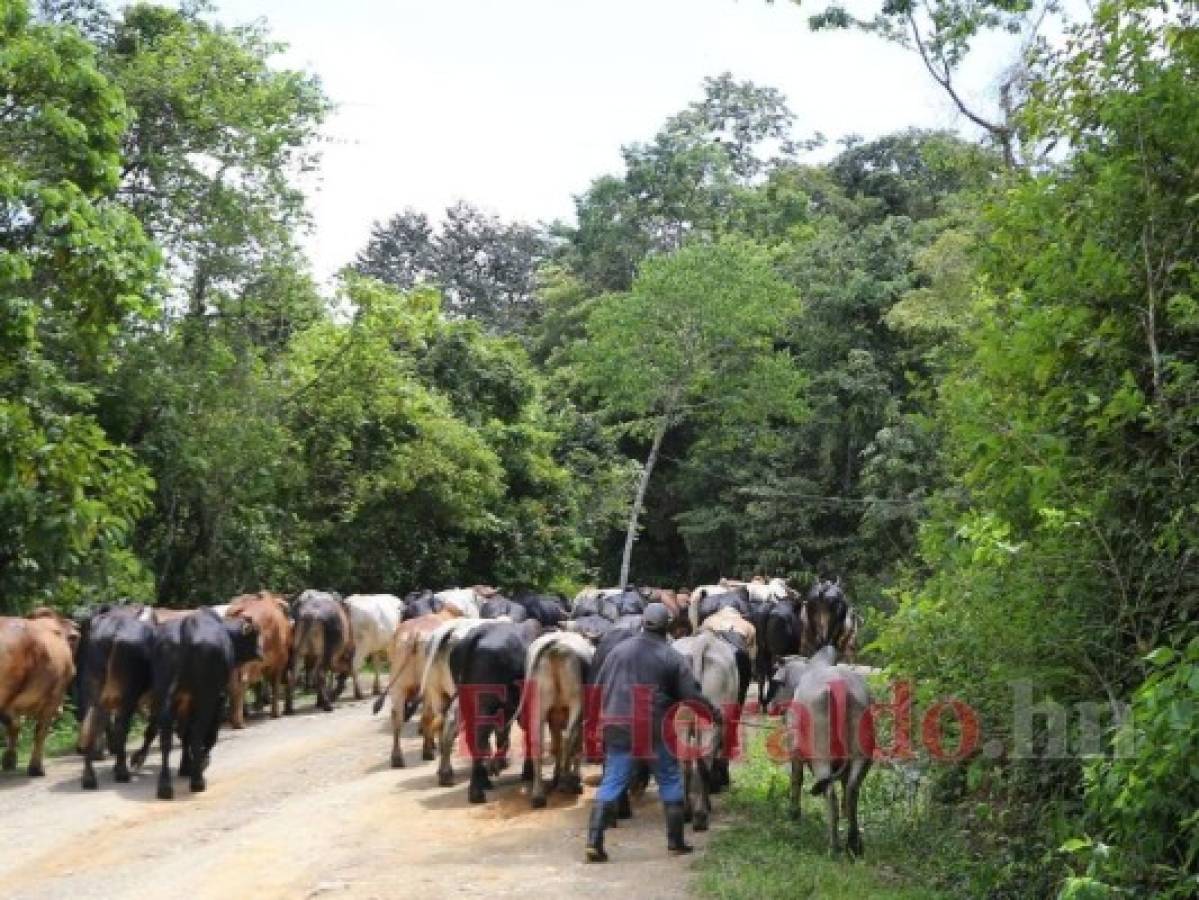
(618, 769)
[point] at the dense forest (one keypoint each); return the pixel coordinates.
(960, 373)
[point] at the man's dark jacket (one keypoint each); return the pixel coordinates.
(646, 659)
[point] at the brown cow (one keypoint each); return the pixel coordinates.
(36, 667)
(269, 612)
(406, 657)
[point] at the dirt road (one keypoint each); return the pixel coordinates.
(307, 806)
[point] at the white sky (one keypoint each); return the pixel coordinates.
(516, 105)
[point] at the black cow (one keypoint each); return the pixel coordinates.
(629, 603)
(827, 610)
(192, 661)
(322, 642)
(488, 666)
(494, 607)
(591, 627)
(421, 603)
(115, 678)
(596, 606)
(780, 634)
(702, 607)
(84, 617)
(550, 611)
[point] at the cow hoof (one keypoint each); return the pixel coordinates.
(397, 761)
(166, 792)
(445, 779)
(198, 785)
(90, 782)
(595, 855)
(8, 761)
(854, 846)
(700, 824)
(537, 802)
(121, 776)
(35, 770)
(476, 795)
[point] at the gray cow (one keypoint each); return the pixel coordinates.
(827, 720)
(713, 662)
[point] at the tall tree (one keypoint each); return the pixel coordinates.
(485, 268)
(693, 341)
(74, 269)
(943, 32)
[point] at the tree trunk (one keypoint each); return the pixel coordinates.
(639, 500)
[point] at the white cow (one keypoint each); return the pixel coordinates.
(373, 621)
(463, 600)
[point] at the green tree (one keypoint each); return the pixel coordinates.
(74, 269)
(485, 268)
(692, 341)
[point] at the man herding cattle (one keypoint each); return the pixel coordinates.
(639, 681)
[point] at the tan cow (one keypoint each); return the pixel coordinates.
(406, 659)
(269, 612)
(555, 676)
(727, 619)
(36, 668)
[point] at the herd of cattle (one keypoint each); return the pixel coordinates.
(530, 659)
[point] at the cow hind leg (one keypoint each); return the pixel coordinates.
(237, 700)
(138, 759)
(479, 781)
(537, 794)
(120, 735)
(40, 730)
(703, 811)
(166, 727)
(796, 787)
(853, 784)
(203, 737)
(427, 732)
(355, 674)
(377, 687)
(397, 725)
(830, 802)
(448, 731)
(688, 788)
(89, 730)
(12, 731)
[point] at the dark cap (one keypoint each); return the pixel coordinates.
(656, 617)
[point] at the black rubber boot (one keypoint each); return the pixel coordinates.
(674, 829)
(595, 833)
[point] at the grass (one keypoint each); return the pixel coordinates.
(764, 853)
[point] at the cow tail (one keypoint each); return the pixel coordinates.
(299, 643)
(435, 644)
(546, 649)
